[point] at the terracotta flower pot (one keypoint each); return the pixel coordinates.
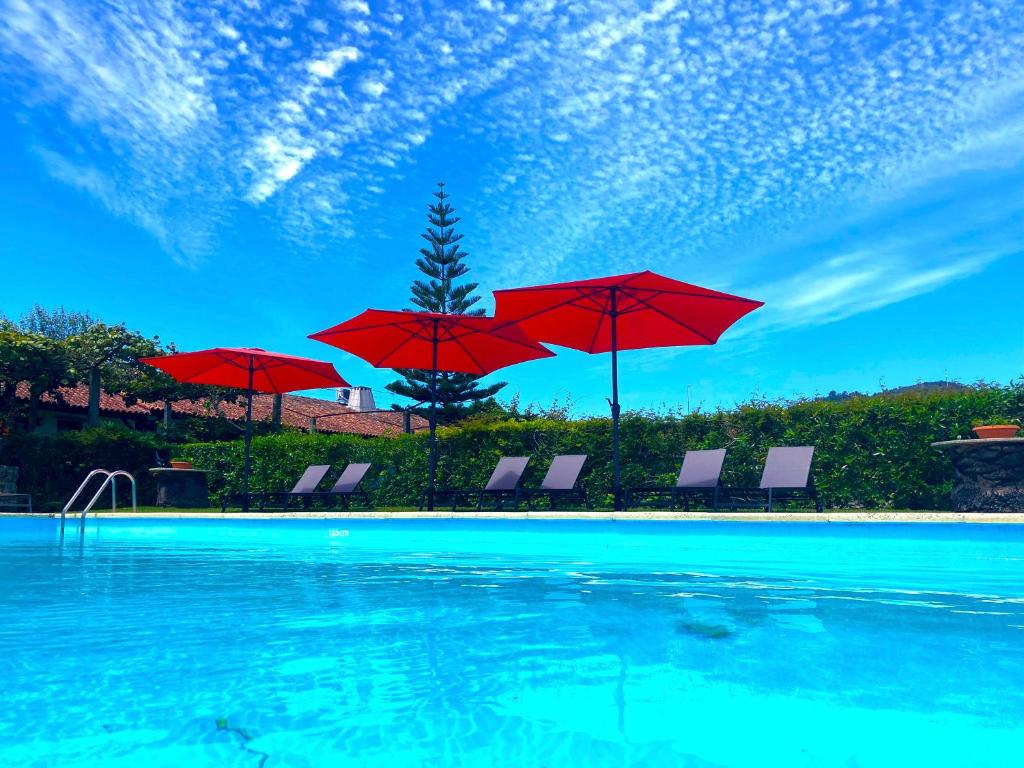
(181, 465)
(997, 430)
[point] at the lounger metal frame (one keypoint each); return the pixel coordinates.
(503, 484)
(555, 484)
(786, 476)
(348, 484)
(698, 477)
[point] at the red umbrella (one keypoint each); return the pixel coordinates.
(633, 311)
(251, 369)
(433, 342)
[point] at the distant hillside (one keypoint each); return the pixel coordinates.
(921, 388)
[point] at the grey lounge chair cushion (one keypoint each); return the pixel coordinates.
(507, 474)
(350, 478)
(563, 473)
(311, 478)
(701, 469)
(787, 467)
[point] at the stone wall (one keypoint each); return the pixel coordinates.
(988, 474)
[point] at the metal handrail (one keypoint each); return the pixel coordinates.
(109, 479)
(78, 493)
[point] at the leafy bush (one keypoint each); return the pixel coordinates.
(871, 451)
(51, 467)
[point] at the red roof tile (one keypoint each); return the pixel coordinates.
(296, 411)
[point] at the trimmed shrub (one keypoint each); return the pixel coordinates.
(871, 452)
(52, 467)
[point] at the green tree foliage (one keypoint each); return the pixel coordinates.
(48, 349)
(57, 324)
(40, 362)
(104, 356)
(442, 263)
(108, 357)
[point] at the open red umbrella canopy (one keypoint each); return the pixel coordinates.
(431, 341)
(608, 314)
(230, 367)
(645, 309)
(252, 369)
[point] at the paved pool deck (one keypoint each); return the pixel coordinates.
(874, 516)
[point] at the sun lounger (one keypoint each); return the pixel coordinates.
(15, 502)
(786, 476)
(561, 483)
(307, 484)
(504, 482)
(348, 484)
(698, 477)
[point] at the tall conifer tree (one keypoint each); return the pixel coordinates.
(441, 262)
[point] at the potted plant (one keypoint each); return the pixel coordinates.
(987, 430)
(180, 464)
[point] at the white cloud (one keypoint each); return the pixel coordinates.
(228, 31)
(278, 161)
(329, 65)
(355, 6)
(648, 135)
(140, 72)
(373, 88)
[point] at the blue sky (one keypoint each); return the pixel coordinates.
(249, 172)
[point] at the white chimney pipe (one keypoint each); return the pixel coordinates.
(361, 399)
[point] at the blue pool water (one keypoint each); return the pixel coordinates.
(499, 643)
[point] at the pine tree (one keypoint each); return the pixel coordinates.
(442, 263)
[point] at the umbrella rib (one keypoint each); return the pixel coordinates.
(469, 354)
(717, 297)
(339, 331)
(597, 328)
(309, 366)
(597, 308)
(550, 307)
(675, 320)
(266, 367)
(594, 300)
(222, 359)
(402, 343)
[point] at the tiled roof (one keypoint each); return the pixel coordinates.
(296, 411)
(78, 397)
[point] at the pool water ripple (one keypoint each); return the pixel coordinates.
(407, 643)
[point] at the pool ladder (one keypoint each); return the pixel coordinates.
(110, 478)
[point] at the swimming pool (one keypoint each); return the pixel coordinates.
(518, 643)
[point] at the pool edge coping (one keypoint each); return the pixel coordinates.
(663, 515)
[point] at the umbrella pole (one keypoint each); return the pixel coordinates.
(248, 443)
(616, 476)
(433, 425)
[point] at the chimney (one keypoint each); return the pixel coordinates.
(343, 394)
(361, 399)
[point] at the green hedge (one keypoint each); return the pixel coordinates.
(871, 451)
(52, 467)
